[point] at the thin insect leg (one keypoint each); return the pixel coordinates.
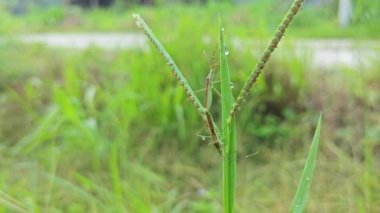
(200, 90)
(250, 155)
(203, 89)
(200, 130)
(202, 136)
(217, 91)
(216, 82)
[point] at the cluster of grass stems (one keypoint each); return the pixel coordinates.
(225, 139)
(60, 150)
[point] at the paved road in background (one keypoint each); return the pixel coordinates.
(320, 53)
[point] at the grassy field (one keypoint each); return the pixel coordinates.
(247, 20)
(110, 130)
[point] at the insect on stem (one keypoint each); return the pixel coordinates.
(204, 113)
(208, 91)
(213, 131)
(207, 103)
(209, 79)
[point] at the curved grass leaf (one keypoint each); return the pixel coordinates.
(300, 199)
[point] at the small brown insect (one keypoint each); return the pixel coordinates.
(214, 135)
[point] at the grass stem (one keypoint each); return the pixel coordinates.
(228, 132)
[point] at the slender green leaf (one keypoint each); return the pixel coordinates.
(228, 131)
(299, 200)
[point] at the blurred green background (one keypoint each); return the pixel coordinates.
(102, 126)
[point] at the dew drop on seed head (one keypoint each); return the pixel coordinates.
(227, 52)
(222, 29)
(203, 138)
(307, 178)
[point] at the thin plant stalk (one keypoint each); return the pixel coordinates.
(228, 131)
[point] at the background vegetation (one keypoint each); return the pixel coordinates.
(109, 131)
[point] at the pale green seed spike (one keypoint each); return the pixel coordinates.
(204, 113)
(279, 34)
(176, 71)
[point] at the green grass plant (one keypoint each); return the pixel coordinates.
(229, 107)
(99, 130)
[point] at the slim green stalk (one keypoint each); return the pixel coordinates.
(228, 131)
(265, 56)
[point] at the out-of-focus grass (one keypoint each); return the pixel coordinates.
(103, 131)
(257, 19)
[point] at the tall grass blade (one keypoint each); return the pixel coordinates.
(299, 200)
(228, 131)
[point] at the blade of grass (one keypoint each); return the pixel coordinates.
(300, 198)
(228, 132)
